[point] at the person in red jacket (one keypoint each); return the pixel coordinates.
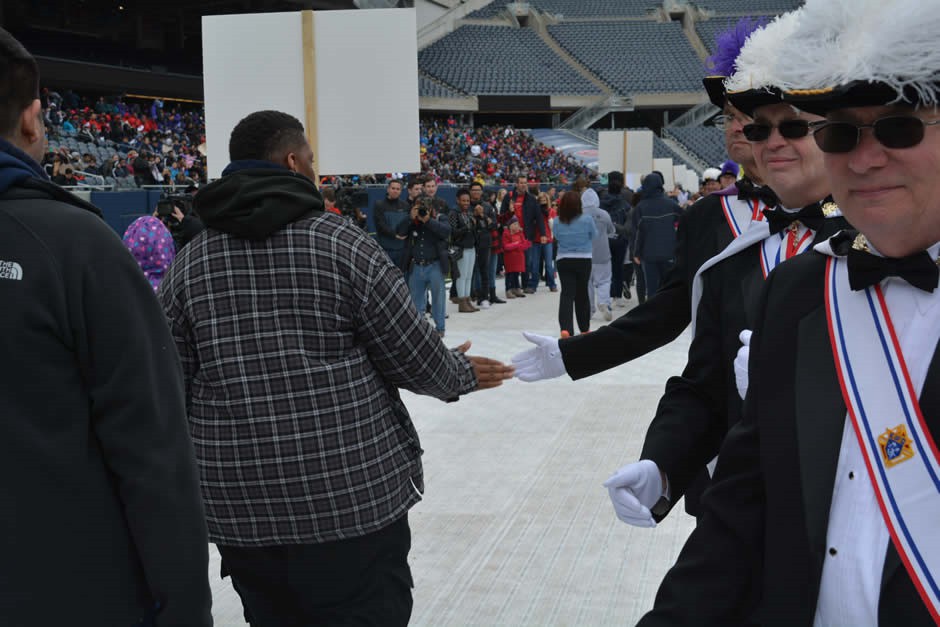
(514, 246)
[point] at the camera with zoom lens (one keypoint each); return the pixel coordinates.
(423, 212)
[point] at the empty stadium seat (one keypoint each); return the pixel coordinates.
(577, 8)
(705, 142)
(433, 89)
(484, 60)
(751, 7)
(633, 57)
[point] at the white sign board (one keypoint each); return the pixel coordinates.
(625, 151)
(351, 77)
(692, 180)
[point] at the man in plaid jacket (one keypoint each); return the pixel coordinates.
(295, 332)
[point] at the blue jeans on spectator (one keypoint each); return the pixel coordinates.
(534, 257)
(654, 272)
(482, 279)
(548, 256)
(465, 266)
(424, 278)
(494, 259)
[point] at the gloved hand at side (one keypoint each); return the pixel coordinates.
(740, 363)
(634, 489)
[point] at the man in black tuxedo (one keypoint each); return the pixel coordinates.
(704, 230)
(699, 406)
(796, 528)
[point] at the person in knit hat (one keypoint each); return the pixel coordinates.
(515, 245)
(151, 244)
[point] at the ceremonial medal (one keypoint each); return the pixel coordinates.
(831, 209)
(861, 243)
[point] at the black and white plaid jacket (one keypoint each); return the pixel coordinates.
(293, 350)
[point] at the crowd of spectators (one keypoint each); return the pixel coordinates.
(157, 143)
(154, 143)
(490, 154)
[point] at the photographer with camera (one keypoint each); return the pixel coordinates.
(425, 259)
(348, 202)
(176, 213)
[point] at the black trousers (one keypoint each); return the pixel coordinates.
(654, 271)
(482, 268)
(361, 581)
(628, 275)
(618, 252)
(575, 274)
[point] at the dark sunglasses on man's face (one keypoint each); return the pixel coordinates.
(896, 131)
(789, 129)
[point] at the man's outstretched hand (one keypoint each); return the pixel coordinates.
(490, 373)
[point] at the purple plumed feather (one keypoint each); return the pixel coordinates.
(728, 46)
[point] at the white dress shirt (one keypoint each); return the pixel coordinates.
(857, 537)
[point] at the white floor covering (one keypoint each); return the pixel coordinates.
(515, 527)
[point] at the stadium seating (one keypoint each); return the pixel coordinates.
(751, 7)
(428, 88)
(708, 30)
(489, 60)
(633, 57)
(705, 142)
(577, 8)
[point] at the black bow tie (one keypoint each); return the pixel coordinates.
(811, 215)
(866, 269)
(748, 191)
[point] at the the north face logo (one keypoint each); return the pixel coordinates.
(11, 270)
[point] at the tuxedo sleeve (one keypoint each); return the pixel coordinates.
(716, 579)
(643, 329)
(692, 416)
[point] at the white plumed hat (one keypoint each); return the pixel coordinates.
(852, 53)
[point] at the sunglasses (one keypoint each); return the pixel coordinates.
(789, 129)
(897, 131)
(723, 121)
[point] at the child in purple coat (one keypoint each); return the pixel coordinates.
(152, 246)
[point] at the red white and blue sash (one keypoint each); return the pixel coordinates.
(739, 213)
(778, 248)
(900, 454)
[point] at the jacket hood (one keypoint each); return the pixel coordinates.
(590, 200)
(255, 202)
(16, 166)
(652, 185)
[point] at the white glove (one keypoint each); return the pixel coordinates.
(633, 490)
(541, 362)
(740, 363)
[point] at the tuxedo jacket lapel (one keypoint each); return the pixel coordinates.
(820, 419)
(755, 232)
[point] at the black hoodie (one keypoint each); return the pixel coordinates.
(655, 218)
(253, 200)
